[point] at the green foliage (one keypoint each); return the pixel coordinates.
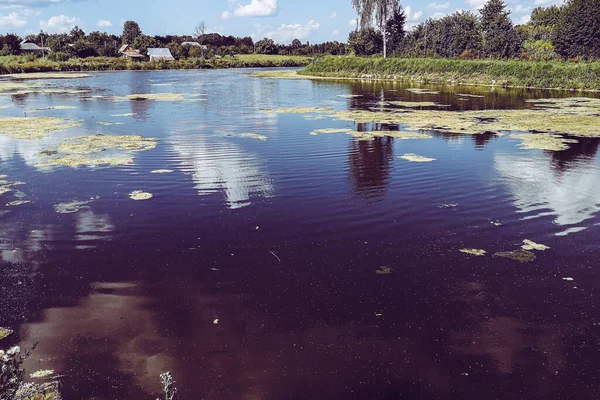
(539, 50)
(143, 42)
(366, 42)
(266, 46)
(131, 30)
(12, 42)
(58, 56)
(578, 32)
(499, 37)
(395, 29)
(553, 74)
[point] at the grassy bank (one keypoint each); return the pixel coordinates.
(546, 75)
(24, 64)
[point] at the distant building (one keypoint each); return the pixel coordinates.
(32, 48)
(160, 54)
(195, 44)
(127, 51)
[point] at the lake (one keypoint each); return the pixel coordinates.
(296, 266)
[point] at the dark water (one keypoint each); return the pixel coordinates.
(251, 273)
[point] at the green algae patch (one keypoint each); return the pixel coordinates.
(4, 332)
(260, 138)
(72, 207)
(474, 252)
(54, 108)
(47, 75)
(530, 245)
(402, 135)
(162, 171)
(423, 91)
(416, 158)
(140, 195)
(7, 186)
(384, 271)
(300, 110)
(42, 374)
(33, 128)
(99, 143)
(77, 160)
(326, 131)
(412, 104)
(107, 123)
(286, 74)
(522, 256)
(17, 203)
(543, 141)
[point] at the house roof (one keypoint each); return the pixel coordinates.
(123, 48)
(164, 54)
(25, 45)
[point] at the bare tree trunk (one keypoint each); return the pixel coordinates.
(384, 43)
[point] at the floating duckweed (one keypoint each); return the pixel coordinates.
(162, 171)
(517, 255)
(416, 158)
(33, 128)
(77, 160)
(99, 143)
(412, 104)
(323, 131)
(474, 252)
(254, 136)
(314, 118)
(384, 271)
(3, 176)
(54, 108)
(300, 110)
(4, 332)
(17, 203)
(48, 75)
(71, 207)
(529, 245)
(140, 195)
(106, 123)
(423, 91)
(402, 135)
(543, 141)
(43, 373)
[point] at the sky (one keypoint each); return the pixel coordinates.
(283, 20)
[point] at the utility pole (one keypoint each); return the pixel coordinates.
(43, 56)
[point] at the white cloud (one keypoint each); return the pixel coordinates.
(104, 23)
(256, 8)
(287, 33)
(335, 33)
(11, 21)
(353, 22)
(438, 6)
(59, 24)
(334, 14)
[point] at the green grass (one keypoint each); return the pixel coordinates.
(514, 73)
(27, 64)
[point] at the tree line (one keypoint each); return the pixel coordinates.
(570, 31)
(77, 43)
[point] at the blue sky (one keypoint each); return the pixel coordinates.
(283, 20)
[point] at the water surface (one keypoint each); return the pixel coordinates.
(251, 274)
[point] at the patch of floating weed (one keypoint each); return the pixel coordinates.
(412, 104)
(476, 96)
(4, 332)
(17, 203)
(324, 131)
(41, 374)
(162, 97)
(522, 256)
(299, 110)
(54, 108)
(474, 252)
(423, 91)
(529, 245)
(7, 186)
(568, 279)
(384, 271)
(72, 207)
(140, 195)
(543, 141)
(402, 135)
(314, 118)
(162, 171)
(33, 128)
(254, 136)
(99, 143)
(416, 158)
(47, 75)
(77, 160)
(106, 123)
(124, 115)
(3, 176)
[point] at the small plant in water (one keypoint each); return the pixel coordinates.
(168, 386)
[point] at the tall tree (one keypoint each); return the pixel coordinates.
(380, 10)
(499, 37)
(358, 6)
(395, 29)
(131, 30)
(199, 32)
(578, 33)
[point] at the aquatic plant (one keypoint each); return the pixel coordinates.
(323, 131)
(72, 206)
(4, 332)
(140, 195)
(254, 136)
(168, 386)
(31, 128)
(162, 171)
(416, 158)
(299, 110)
(529, 245)
(162, 97)
(543, 141)
(474, 252)
(7, 186)
(47, 75)
(517, 255)
(16, 203)
(423, 91)
(412, 104)
(384, 271)
(43, 373)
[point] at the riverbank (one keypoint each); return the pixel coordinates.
(583, 76)
(17, 65)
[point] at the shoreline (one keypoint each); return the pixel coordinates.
(561, 76)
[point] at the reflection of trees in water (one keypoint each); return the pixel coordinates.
(370, 164)
(482, 140)
(587, 148)
(140, 108)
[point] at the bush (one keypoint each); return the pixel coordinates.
(58, 56)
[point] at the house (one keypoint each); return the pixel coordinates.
(32, 48)
(160, 54)
(195, 44)
(127, 51)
